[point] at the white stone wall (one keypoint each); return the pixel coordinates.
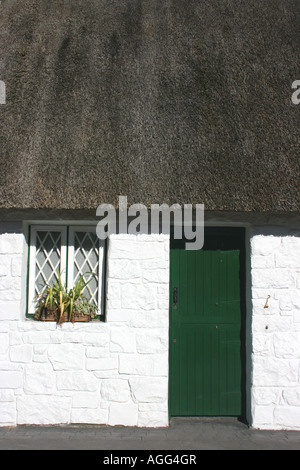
(116, 372)
(113, 373)
(275, 263)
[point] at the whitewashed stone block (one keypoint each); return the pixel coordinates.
(13, 294)
(113, 290)
(122, 339)
(43, 410)
(144, 365)
(296, 318)
(259, 309)
(5, 265)
(115, 390)
(161, 364)
(8, 283)
(265, 396)
(67, 356)
(291, 396)
(8, 414)
(289, 300)
(16, 266)
(40, 349)
(146, 389)
(135, 250)
(88, 338)
(7, 365)
(287, 417)
(11, 243)
(153, 341)
(163, 303)
(284, 260)
(113, 304)
(15, 338)
(11, 379)
(125, 270)
(143, 319)
(135, 296)
(262, 294)
(119, 315)
(4, 343)
(163, 406)
(89, 416)
(134, 364)
(260, 261)
(263, 416)
(21, 353)
(95, 352)
(4, 327)
(106, 374)
(261, 344)
(40, 353)
(289, 253)
(297, 279)
(272, 278)
(39, 379)
(76, 381)
(287, 345)
(160, 276)
(40, 358)
(41, 337)
(268, 325)
(275, 372)
(85, 400)
(7, 396)
(29, 326)
(121, 414)
(105, 363)
(156, 263)
(153, 419)
(9, 310)
(264, 245)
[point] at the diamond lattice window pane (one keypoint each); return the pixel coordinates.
(47, 259)
(86, 260)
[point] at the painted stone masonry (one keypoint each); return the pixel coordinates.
(275, 393)
(113, 373)
(116, 372)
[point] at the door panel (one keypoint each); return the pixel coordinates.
(205, 331)
(207, 286)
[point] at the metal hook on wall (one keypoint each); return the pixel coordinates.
(266, 304)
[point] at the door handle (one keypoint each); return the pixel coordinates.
(175, 295)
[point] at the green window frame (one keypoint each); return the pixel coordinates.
(72, 250)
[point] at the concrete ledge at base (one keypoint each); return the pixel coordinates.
(183, 434)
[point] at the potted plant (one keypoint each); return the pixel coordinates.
(83, 310)
(56, 303)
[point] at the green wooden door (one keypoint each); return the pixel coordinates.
(205, 327)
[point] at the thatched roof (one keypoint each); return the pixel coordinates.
(159, 100)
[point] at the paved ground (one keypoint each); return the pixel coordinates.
(183, 434)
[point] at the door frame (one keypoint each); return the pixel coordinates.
(244, 294)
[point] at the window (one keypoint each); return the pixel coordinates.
(71, 251)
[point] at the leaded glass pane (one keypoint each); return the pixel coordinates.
(86, 260)
(47, 259)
